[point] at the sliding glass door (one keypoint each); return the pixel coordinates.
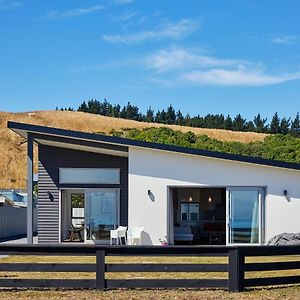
(101, 214)
(244, 215)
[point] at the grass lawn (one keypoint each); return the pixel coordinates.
(292, 292)
(268, 294)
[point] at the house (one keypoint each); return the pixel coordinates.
(97, 182)
(18, 197)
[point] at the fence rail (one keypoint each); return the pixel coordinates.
(235, 268)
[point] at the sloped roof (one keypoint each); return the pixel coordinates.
(23, 129)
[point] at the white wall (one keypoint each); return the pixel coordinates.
(155, 170)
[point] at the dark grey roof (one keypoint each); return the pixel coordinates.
(23, 129)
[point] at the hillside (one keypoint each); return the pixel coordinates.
(13, 148)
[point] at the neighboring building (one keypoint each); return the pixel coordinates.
(17, 197)
(4, 201)
(13, 214)
(186, 195)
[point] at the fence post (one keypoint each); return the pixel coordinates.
(236, 270)
(100, 270)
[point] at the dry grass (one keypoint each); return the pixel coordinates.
(13, 148)
(292, 292)
(267, 294)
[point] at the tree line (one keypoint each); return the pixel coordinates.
(277, 147)
(277, 125)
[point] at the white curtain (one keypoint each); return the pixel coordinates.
(254, 227)
(65, 215)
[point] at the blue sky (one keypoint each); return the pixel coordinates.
(216, 56)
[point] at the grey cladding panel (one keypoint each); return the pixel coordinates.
(53, 158)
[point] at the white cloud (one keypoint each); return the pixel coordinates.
(9, 4)
(73, 13)
(126, 16)
(177, 66)
(168, 30)
(285, 39)
(176, 58)
(242, 77)
(180, 66)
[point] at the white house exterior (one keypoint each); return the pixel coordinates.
(158, 170)
(178, 194)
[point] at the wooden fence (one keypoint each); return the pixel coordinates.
(235, 266)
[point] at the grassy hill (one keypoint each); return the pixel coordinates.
(13, 148)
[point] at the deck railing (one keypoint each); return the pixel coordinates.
(235, 266)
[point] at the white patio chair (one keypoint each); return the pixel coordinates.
(134, 235)
(118, 234)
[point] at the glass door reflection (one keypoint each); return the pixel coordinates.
(101, 214)
(244, 216)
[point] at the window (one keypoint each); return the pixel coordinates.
(77, 209)
(89, 176)
(189, 211)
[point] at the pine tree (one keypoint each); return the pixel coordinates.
(163, 116)
(104, 108)
(157, 118)
(116, 110)
(94, 107)
(170, 115)
(187, 120)
(209, 121)
(249, 126)
(220, 121)
(295, 127)
(149, 115)
(260, 124)
(83, 107)
(123, 113)
(228, 123)
(132, 112)
(239, 123)
(179, 118)
(275, 124)
(285, 125)
(197, 122)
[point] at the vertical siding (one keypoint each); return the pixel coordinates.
(13, 221)
(53, 158)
